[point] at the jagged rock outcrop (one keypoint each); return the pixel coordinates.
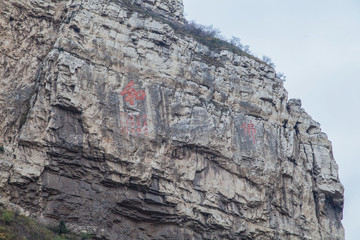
(114, 122)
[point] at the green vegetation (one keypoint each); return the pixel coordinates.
(85, 236)
(2, 150)
(14, 226)
(62, 228)
(7, 217)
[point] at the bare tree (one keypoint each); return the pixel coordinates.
(237, 42)
(247, 49)
(268, 61)
(281, 76)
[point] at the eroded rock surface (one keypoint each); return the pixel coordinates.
(115, 123)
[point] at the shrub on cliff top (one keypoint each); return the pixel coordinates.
(206, 35)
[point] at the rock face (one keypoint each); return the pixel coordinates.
(121, 127)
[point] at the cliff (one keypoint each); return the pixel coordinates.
(123, 127)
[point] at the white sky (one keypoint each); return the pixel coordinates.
(317, 45)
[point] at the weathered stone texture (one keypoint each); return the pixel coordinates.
(174, 165)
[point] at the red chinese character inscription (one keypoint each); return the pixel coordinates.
(132, 93)
(249, 129)
(134, 124)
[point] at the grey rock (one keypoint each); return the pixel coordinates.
(203, 145)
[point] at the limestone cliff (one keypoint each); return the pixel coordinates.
(116, 123)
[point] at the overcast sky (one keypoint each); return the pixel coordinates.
(316, 44)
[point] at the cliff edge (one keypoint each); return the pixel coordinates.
(116, 123)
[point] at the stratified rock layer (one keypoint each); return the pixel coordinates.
(115, 123)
